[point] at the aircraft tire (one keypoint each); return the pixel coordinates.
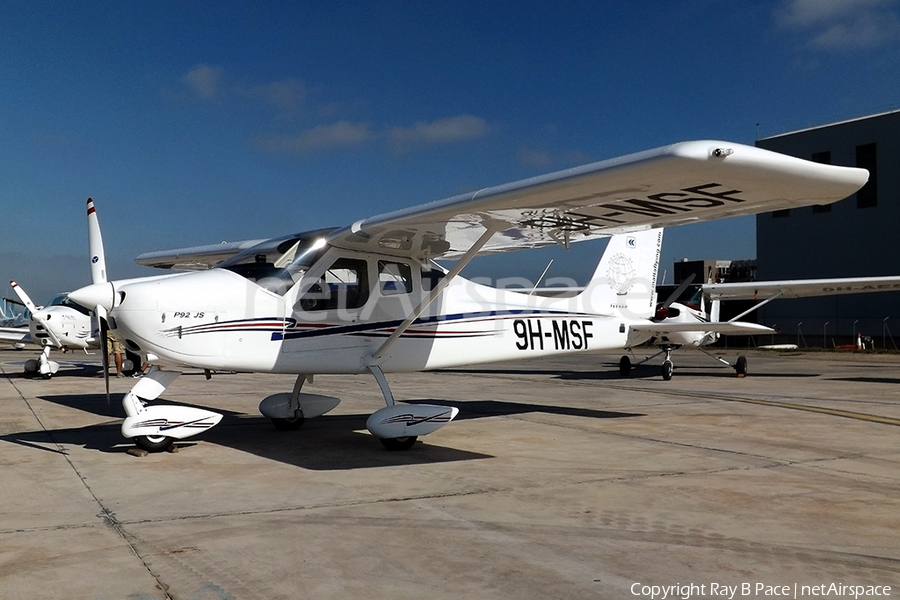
(740, 366)
(400, 443)
(667, 369)
(292, 424)
(154, 443)
(32, 366)
(624, 366)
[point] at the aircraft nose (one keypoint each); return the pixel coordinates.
(98, 294)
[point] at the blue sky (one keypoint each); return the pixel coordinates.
(193, 123)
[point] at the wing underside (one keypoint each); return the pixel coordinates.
(800, 288)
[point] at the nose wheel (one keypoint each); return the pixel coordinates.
(668, 367)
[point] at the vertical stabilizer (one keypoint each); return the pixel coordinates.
(624, 282)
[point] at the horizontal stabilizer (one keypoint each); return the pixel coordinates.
(723, 327)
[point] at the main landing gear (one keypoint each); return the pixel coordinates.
(397, 426)
(668, 367)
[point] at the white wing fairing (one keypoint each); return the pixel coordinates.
(368, 297)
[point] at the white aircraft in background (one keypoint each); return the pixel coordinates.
(695, 323)
(14, 322)
(64, 324)
(368, 298)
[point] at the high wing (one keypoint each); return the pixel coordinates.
(687, 182)
(194, 258)
(682, 183)
(723, 327)
(800, 288)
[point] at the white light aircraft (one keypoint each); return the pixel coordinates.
(368, 298)
(696, 324)
(13, 322)
(61, 324)
(64, 324)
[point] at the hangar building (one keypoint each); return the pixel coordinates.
(856, 237)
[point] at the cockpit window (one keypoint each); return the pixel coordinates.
(58, 300)
(278, 263)
(63, 300)
(345, 284)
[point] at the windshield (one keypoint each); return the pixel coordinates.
(278, 263)
(63, 300)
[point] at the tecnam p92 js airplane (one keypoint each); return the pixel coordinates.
(368, 297)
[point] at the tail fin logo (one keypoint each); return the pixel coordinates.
(621, 273)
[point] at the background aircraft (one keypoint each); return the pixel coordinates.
(368, 298)
(675, 324)
(14, 322)
(63, 324)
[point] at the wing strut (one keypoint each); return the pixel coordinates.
(756, 306)
(492, 228)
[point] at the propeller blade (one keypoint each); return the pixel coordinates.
(679, 290)
(36, 313)
(23, 297)
(104, 346)
(95, 245)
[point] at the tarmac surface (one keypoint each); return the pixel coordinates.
(559, 479)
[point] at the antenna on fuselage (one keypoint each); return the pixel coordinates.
(538, 282)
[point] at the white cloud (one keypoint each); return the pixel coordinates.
(324, 137)
(285, 93)
(842, 24)
(204, 80)
(442, 131)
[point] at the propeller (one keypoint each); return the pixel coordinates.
(100, 311)
(98, 276)
(36, 314)
(662, 311)
(95, 245)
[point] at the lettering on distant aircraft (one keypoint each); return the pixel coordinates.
(555, 334)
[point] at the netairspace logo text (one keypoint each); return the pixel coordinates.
(794, 591)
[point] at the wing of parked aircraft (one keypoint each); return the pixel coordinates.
(15, 334)
(800, 288)
(195, 258)
(681, 183)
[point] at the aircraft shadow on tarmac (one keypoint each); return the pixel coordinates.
(330, 442)
(891, 380)
(649, 371)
